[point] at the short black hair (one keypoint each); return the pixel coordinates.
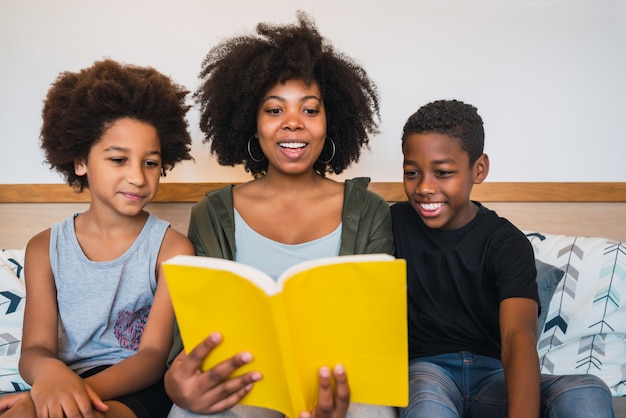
(81, 106)
(238, 72)
(453, 118)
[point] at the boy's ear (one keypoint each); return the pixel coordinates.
(80, 167)
(481, 168)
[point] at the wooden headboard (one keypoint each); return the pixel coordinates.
(581, 209)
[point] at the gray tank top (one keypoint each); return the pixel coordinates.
(103, 306)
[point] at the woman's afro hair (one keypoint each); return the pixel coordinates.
(240, 70)
(81, 106)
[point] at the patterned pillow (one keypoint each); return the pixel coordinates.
(12, 298)
(548, 278)
(585, 327)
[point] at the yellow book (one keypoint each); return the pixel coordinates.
(348, 310)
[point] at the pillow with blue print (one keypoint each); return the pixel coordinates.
(12, 299)
(548, 278)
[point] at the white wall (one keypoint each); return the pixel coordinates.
(548, 76)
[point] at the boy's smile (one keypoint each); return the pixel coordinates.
(438, 179)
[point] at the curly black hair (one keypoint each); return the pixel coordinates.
(453, 118)
(238, 72)
(81, 106)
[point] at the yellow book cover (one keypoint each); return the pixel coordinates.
(348, 310)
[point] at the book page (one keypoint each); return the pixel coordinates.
(206, 300)
(352, 314)
(307, 265)
(261, 279)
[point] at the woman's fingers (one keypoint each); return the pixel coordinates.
(331, 404)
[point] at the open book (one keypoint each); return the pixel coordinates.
(348, 310)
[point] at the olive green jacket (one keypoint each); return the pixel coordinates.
(366, 227)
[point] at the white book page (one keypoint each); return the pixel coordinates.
(306, 265)
(259, 278)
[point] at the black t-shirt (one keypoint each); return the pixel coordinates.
(456, 280)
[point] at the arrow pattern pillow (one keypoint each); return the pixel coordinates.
(12, 298)
(585, 327)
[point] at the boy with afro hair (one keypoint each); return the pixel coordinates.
(98, 321)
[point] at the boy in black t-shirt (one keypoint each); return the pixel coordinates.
(472, 295)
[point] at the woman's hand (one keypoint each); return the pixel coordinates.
(211, 391)
(329, 404)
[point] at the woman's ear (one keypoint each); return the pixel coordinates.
(481, 168)
(80, 167)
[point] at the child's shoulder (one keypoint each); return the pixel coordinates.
(497, 222)
(40, 239)
(174, 243)
(38, 248)
(401, 210)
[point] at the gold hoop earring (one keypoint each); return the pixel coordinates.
(250, 152)
(333, 153)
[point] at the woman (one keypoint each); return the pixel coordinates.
(290, 109)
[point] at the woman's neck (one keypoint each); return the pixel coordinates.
(291, 183)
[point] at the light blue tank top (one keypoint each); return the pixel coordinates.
(103, 306)
(274, 257)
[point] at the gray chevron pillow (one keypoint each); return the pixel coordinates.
(585, 326)
(12, 298)
(548, 278)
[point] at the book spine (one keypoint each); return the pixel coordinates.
(296, 394)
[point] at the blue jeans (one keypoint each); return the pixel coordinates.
(466, 385)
